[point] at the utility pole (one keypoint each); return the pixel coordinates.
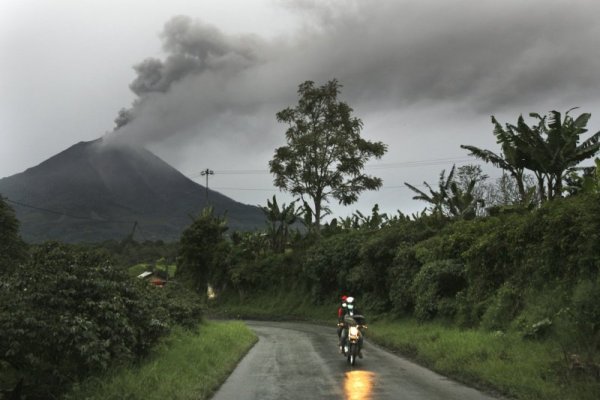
(207, 172)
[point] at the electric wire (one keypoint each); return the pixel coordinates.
(403, 164)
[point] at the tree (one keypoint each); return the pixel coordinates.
(549, 149)
(512, 159)
(504, 192)
(280, 219)
(202, 250)
(561, 149)
(584, 179)
(12, 247)
(325, 154)
(457, 199)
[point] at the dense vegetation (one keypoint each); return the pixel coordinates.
(68, 313)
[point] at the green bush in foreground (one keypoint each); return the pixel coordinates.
(68, 314)
(188, 364)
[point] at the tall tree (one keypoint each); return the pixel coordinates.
(325, 154)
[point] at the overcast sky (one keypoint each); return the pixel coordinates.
(203, 79)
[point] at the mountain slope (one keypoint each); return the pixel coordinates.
(95, 191)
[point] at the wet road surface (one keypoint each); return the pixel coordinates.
(294, 361)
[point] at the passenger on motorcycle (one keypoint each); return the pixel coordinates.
(349, 311)
(341, 312)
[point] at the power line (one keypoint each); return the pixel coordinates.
(137, 226)
(62, 213)
(403, 164)
(275, 189)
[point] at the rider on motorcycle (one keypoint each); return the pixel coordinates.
(350, 310)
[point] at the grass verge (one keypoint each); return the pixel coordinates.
(187, 365)
(283, 305)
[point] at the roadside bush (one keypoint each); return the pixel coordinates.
(402, 274)
(495, 256)
(436, 286)
(376, 258)
(181, 306)
(578, 325)
(68, 314)
(262, 273)
(328, 264)
(503, 308)
(540, 309)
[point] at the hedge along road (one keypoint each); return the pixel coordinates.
(301, 361)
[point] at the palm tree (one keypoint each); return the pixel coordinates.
(435, 198)
(561, 149)
(280, 219)
(513, 159)
(452, 199)
(548, 149)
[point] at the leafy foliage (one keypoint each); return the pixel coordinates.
(454, 198)
(12, 248)
(325, 154)
(435, 286)
(67, 314)
(203, 250)
(279, 220)
(548, 149)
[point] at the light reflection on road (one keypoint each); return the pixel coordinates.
(358, 385)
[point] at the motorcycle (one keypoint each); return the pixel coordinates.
(353, 337)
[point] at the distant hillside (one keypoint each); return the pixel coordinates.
(94, 191)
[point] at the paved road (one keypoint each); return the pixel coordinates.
(296, 361)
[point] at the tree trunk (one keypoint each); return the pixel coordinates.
(541, 186)
(520, 185)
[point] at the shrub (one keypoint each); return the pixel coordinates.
(68, 314)
(436, 286)
(579, 323)
(503, 308)
(203, 252)
(405, 268)
(328, 264)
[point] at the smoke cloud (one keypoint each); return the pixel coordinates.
(480, 57)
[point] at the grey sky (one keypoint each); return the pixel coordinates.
(209, 76)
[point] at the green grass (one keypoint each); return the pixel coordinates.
(502, 361)
(171, 269)
(187, 365)
(137, 269)
(283, 305)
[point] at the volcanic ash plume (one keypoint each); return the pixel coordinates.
(196, 52)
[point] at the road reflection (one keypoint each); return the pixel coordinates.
(358, 385)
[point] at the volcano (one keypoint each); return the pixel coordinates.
(96, 191)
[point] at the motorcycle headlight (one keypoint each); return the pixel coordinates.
(353, 332)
